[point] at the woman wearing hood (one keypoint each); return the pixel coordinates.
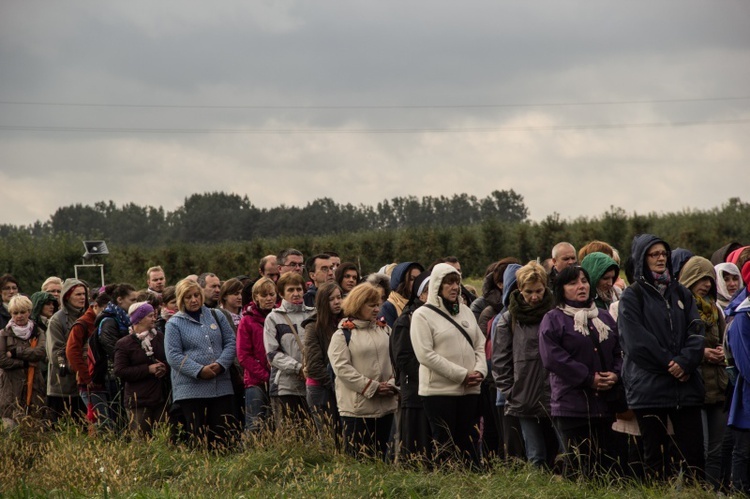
(450, 349)
(62, 390)
(43, 307)
(728, 282)
(414, 428)
(402, 277)
(21, 353)
(663, 342)
(517, 365)
(603, 271)
(284, 341)
(366, 394)
(698, 275)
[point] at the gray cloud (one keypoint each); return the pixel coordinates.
(378, 54)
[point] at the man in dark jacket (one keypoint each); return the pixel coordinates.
(662, 340)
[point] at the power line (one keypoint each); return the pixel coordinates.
(332, 131)
(334, 107)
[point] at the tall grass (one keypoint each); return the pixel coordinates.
(36, 461)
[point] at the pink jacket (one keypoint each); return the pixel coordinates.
(250, 350)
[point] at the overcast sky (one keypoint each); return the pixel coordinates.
(573, 104)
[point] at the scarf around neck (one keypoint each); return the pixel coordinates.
(581, 318)
(145, 338)
(398, 301)
(22, 332)
(661, 281)
(527, 314)
(120, 316)
(707, 310)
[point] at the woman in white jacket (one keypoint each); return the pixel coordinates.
(365, 390)
(450, 350)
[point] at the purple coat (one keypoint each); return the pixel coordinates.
(572, 361)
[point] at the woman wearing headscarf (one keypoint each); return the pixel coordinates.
(603, 271)
(450, 349)
(579, 346)
(402, 277)
(22, 351)
(728, 282)
(62, 390)
(663, 342)
(141, 363)
(698, 275)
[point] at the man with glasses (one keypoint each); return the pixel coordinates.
(290, 260)
(320, 269)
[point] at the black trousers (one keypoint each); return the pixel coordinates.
(586, 443)
(367, 437)
(415, 434)
(210, 420)
(454, 421)
(663, 454)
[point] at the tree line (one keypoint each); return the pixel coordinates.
(33, 257)
(218, 216)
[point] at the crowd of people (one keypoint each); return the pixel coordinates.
(562, 363)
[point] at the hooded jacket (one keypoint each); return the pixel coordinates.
(283, 351)
(721, 254)
(62, 382)
(38, 301)
(393, 307)
(714, 375)
(738, 337)
(679, 258)
(597, 264)
(655, 330)
(360, 367)
(444, 354)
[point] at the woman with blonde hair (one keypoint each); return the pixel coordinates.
(22, 350)
(200, 348)
(365, 389)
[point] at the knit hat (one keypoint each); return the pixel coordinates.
(138, 311)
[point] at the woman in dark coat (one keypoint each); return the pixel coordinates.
(579, 346)
(140, 361)
(662, 339)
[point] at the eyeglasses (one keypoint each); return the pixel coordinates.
(657, 254)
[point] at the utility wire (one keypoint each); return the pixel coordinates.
(323, 107)
(332, 131)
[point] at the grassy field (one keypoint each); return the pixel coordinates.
(70, 463)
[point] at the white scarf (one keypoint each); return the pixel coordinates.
(581, 318)
(145, 338)
(22, 332)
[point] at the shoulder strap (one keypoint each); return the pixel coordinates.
(450, 319)
(294, 332)
(347, 334)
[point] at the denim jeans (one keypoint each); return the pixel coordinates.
(256, 407)
(541, 441)
(325, 413)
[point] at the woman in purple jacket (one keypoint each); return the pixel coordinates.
(579, 346)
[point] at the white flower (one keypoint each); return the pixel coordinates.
(101, 470)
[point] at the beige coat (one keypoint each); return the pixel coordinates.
(444, 355)
(360, 367)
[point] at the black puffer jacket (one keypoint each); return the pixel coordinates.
(655, 330)
(404, 359)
